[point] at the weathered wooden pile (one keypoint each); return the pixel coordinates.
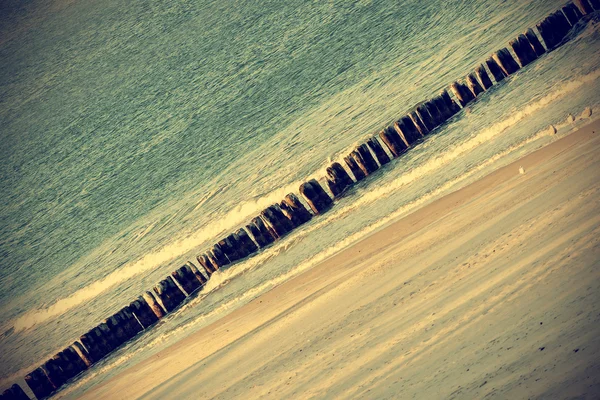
(280, 219)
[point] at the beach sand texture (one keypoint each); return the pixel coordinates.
(489, 292)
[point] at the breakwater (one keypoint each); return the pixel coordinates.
(324, 185)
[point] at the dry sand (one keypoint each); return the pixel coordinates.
(489, 292)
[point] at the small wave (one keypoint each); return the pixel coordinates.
(155, 259)
(480, 138)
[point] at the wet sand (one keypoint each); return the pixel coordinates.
(490, 292)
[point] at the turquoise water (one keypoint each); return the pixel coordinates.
(135, 134)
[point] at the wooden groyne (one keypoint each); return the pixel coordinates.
(314, 199)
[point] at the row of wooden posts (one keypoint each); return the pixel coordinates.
(279, 219)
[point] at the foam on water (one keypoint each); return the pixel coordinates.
(232, 219)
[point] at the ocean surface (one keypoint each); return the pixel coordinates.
(135, 134)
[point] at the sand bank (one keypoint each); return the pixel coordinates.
(490, 291)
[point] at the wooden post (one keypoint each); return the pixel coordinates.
(14, 393)
(67, 369)
(112, 337)
(358, 173)
(261, 233)
(474, 85)
(335, 189)
(516, 46)
(368, 158)
(82, 353)
(201, 278)
(584, 6)
(143, 312)
(275, 213)
(218, 258)
(54, 372)
(207, 264)
(380, 154)
(338, 179)
(523, 50)
(113, 332)
(495, 69)
(462, 93)
(90, 347)
(75, 357)
(101, 335)
(187, 279)
(359, 162)
(246, 242)
(562, 22)
(450, 104)
(70, 363)
(298, 213)
(547, 33)
(392, 140)
(169, 294)
(289, 213)
(506, 61)
(553, 29)
(572, 13)
(405, 127)
(440, 106)
(258, 236)
(277, 220)
(364, 159)
(318, 200)
(445, 112)
(418, 123)
(241, 248)
(425, 117)
(94, 350)
(270, 228)
(39, 383)
(435, 113)
(483, 77)
(154, 305)
(535, 42)
(527, 47)
(130, 324)
(230, 248)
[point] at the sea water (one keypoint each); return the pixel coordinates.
(135, 134)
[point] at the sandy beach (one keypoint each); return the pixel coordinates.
(490, 292)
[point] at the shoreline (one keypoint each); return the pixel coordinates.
(336, 276)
